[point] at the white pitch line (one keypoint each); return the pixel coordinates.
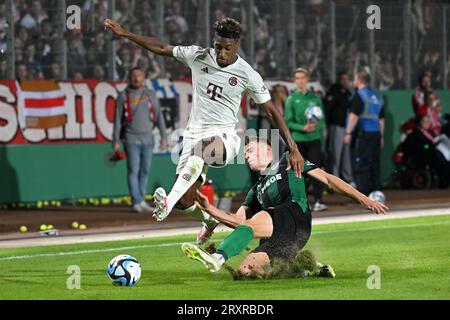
(141, 234)
(70, 253)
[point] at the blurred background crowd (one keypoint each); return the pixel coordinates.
(323, 36)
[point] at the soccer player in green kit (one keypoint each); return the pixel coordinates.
(276, 211)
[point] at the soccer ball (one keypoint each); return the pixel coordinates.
(377, 195)
(124, 270)
(313, 114)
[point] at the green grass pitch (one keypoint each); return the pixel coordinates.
(413, 256)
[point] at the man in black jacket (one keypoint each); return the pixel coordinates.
(336, 107)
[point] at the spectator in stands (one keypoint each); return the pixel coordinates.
(22, 72)
(124, 11)
(34, 16)
(4, 70)
(337, 102)
(3, 23)
(34, 67)
(176, 16)
(145, 14)
(47, 32)
(99, 72)
(384, 71)
(18, 49)
(78, 76)
(309, 55)
(76, 58)
(421, 145)
(124, 63)
(96, 49)
(306, 134)
(364, 130)
(22, 34)
(50, 56)
(433, 63)
(55, 72)
(137, 112)
(149, 65)
(426, 102)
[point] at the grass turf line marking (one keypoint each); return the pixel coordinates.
(70, 253)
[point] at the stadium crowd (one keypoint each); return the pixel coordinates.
(37, 42)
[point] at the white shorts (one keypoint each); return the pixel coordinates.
(230, 139)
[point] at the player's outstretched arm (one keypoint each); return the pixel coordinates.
(150, 43)
(342, 187)
(232, 220)
(296, 161)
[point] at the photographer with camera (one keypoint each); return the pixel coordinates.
(137, 112)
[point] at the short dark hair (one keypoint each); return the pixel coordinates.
(228, 28)
(134, 69)
(423, 75)
(257, 139)
(363, 76)
(342, 73)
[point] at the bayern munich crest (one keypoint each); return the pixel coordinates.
(232, 81)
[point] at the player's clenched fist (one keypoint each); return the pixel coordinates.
(114, 26)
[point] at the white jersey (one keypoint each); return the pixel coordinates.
(218, 91)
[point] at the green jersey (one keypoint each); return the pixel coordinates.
(294, 109)
(279, 186)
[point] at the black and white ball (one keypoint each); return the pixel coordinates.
(377, 195)
(313, 114)
(124, 270)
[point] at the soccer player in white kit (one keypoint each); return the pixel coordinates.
(220, 77)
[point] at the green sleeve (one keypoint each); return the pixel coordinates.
(251, 201)
(309, 166)
(289, 116)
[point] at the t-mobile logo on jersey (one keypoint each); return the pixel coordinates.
(214, 91)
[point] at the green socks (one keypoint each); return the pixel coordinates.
(236, 242)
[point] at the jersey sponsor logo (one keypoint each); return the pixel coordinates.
(233, 81)
(308, 163)
(214, 91)
(270, 181)
(187, 177)
(205, 69)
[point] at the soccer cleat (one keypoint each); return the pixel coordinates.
(194, 252)
(204, 234)
(160, 201)
(318, 206)
(326, 271)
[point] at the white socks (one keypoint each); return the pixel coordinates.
(188, 175)
(198, 213)
(219, 257)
